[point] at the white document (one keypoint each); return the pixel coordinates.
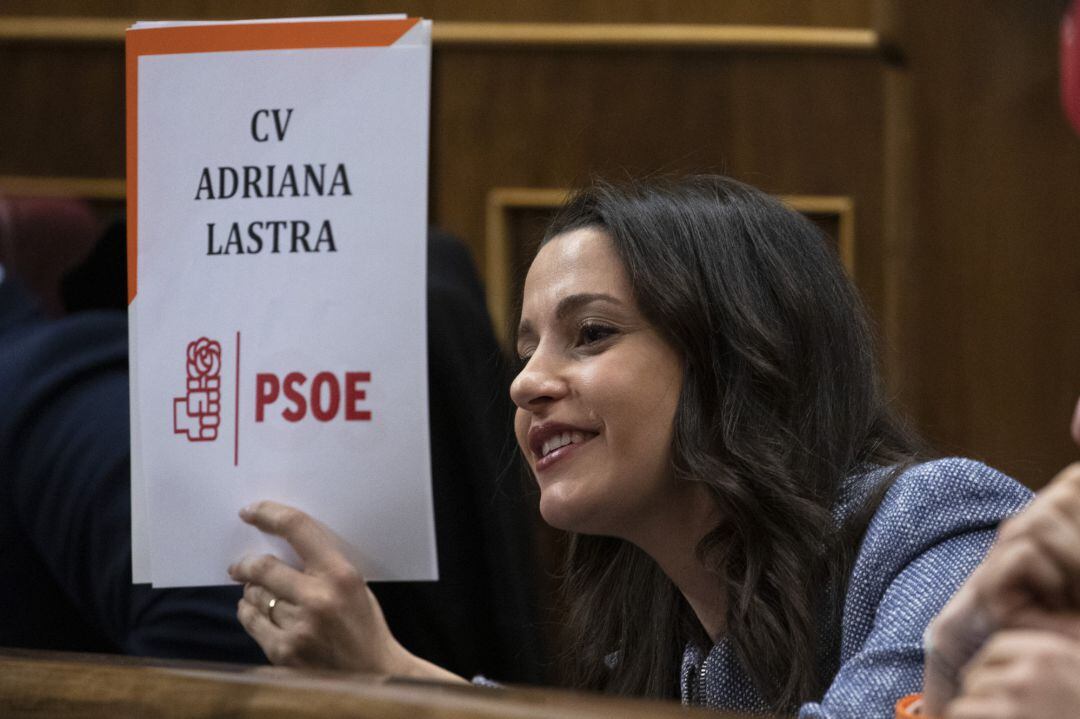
(278, 199)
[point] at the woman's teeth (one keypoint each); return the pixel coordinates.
(561, 440)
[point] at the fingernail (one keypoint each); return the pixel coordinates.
(246, 512)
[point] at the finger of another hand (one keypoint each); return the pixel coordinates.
(313, 541)
(940, 684)
(977, 708)
(1063, 623)
(949, 642)
(1053, 526)
(984, 679)
(1019, 571)
(1006, 647)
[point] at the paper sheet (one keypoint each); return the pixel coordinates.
(249, 304)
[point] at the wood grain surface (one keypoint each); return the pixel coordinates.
(38, 685)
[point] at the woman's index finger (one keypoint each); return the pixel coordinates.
(315, 544)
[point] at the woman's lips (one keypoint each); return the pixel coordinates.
(545, 462)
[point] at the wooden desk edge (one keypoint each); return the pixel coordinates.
(45, 684)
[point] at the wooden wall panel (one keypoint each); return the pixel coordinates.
(987, 309)
(541, 119)
(68, 106)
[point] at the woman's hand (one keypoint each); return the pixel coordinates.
(1030, 579)
(1021, 674)
(324, 616)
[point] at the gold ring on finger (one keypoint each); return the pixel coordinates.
(270, 610)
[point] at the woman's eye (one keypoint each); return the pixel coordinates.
(591, 333)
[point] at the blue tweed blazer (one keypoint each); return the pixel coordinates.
(931, 530)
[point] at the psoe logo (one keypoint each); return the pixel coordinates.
(198, 413)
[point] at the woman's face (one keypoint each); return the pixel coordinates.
(597, 396)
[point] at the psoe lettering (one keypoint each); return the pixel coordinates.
(326, 398)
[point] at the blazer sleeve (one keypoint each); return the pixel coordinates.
(933, 527)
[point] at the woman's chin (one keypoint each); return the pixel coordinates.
(561, 512)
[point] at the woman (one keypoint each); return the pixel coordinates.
(700, 407)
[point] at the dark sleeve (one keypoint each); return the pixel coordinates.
(64, 459)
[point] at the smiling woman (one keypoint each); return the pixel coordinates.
(597, 395)
(752, 528)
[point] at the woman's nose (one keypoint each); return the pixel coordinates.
(539, 382)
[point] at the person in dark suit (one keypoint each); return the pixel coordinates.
(65, 521)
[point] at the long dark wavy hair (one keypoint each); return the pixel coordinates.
(781, 401)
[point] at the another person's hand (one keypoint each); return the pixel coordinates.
(322, 616)
(1030, 579)
(1022, 674)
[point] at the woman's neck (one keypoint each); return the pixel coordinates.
(671, 539)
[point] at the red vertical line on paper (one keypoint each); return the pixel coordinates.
(236, 408)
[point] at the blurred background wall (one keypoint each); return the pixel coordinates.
(924, 137)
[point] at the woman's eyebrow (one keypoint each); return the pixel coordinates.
(567, 306)
(571, 303)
